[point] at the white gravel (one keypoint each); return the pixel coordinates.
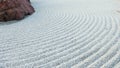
(63, 34)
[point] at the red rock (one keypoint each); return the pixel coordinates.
(15, 9)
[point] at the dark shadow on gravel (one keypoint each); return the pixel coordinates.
(7, 23)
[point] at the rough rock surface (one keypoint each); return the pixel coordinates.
(15, 9)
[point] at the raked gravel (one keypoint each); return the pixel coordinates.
(63, 34)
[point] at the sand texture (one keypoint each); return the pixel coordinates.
(63, 34)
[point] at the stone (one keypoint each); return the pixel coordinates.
(15, 9)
